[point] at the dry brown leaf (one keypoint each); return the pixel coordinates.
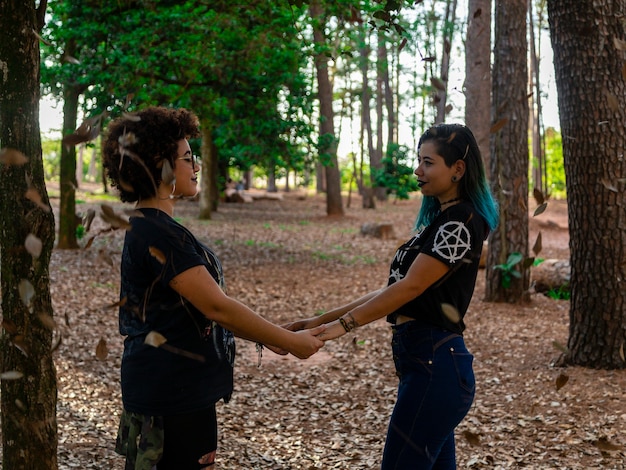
(437, 83)
(155, 339)
(33, 245)
(9, 156)
(47, 321)
(102, 350)
(540, 209)
(158, 254)
(9, 326)
(11, 375)
(112, 218)
(498, 125)
(19, 341)
(451, 312)
(608, 185)
(539, 197)
(537, 246)
(33, 195)
(561, 380)
(27, 292)
(472, 438)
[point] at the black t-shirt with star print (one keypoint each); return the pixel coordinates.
(455, 238)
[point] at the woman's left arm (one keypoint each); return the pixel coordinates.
(423, 273)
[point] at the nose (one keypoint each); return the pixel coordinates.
(417, 170)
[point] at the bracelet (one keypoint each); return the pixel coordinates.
(348, 324)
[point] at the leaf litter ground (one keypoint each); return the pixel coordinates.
(286, 260)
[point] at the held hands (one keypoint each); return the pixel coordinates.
(307, 342)
(303, 324)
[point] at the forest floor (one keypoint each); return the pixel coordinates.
(286, 259)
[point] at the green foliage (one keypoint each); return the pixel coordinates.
(555, 168)
(508, 269)
(560, 293)
(80, 231)
(395, 175)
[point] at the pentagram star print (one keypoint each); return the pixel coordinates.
(452, 241)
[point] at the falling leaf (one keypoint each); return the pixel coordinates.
(9, 326)
(498, 125)
(102, 351)
(131, 117)
(561, 380)
(472, 438)
(612, 102)
(27, 292)
(620, 45)
(621, 352)
(119, 303)
(33, 245)
(539, 197)
(38, 36)
(87, 131)
(477, 13)
(158, 254)
(113, 219)
(47, 321)
(167, 174)
(608, 185)
(451, 312)
(537, 246)
(20, 343)
(154, 338)
(437, 83)
(559, 346)
(9, 156)
(11, 375)
(70, 59)
(87, 219)
(540, 209)
(33, 195)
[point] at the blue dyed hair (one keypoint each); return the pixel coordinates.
(456, 142)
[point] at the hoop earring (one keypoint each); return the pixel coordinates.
(172, 195)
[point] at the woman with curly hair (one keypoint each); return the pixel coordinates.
(172, 296)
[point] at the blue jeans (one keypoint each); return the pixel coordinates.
(435, 392)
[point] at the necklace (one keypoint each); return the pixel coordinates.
(450, 201)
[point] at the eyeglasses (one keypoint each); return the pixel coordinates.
(192, 160)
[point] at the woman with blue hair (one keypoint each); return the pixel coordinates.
(430, 285)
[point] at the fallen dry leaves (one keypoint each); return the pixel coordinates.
(287, 260)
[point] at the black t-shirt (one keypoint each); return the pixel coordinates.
(199, 372)
(455, 237)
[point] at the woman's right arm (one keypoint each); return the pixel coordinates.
(198, 287)
(331, 315)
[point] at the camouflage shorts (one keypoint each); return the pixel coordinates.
(140, 439)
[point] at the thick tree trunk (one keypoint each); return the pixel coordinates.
(328, 141)
(28, 402)
(368, 201)
(509, 152)
(589, 43)
(441, 96)
(68, 183)
(478, 74)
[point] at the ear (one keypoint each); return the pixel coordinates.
(459, 169)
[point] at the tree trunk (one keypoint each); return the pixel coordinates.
(328, 141)
(478, 74)
(29, 426)
(209, 193)
(68, 183)
(441, 96)
(589, 44)
(509, 152)
(368, 201)
(381, 73)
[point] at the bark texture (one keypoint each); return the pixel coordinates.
(509, 151)
(29, 427)
(589, 43)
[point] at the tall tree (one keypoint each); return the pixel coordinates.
(589, 43)
(327, 140)
(28, 390)
(478, 74)
(509, 156)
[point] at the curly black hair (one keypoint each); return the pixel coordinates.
(137, 145)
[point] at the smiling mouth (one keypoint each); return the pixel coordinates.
(421, 183)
